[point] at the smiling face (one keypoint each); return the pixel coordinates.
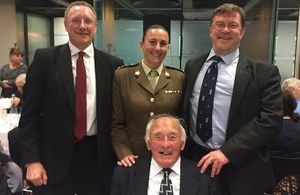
(226, 32)
(165, 142)
(81, 25)
(155, 47)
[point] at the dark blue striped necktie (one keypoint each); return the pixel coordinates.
(206, 100)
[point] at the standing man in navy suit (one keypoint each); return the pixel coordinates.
(56, 162)
(165, 138)
(246, 109)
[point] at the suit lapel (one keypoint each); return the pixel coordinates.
(100, 77)
(142, 79)
(139, 182)
(64, 67)
(191, 77)
(189, 183)
(242, 76)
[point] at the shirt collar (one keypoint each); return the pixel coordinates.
(147, 69)
(157, 168)
(89, 51)
(227, 58)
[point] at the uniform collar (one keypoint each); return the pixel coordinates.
(147, 69)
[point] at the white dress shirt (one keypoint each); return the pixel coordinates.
(89, 63)
(222, 98)
(156, 175)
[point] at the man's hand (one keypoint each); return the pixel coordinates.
(216, 159)
(127, 160)
(36, 174)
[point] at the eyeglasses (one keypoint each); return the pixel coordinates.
(222, 25)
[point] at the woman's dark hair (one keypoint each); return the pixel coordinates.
(289, 105)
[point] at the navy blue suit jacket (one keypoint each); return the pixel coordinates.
(134, 180)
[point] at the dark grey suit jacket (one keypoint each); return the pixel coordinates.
(48, 116)
(134, 180)
(255, 117)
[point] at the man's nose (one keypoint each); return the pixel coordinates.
(166, 141)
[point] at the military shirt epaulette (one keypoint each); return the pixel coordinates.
(128, 66)
(171, 67)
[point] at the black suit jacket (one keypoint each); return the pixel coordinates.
(255, 117)
(48, 116)
(134, 180)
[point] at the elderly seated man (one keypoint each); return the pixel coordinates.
(165, 171)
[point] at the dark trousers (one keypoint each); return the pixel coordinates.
(83, 177)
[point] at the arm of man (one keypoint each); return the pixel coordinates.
(251, 135)
(30, 121)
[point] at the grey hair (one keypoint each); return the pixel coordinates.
(289, 84)
(176, 120)
(76, 3)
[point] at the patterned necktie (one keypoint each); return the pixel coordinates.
(80, 98)
(152, 78)
(206, 100)
(166, 187)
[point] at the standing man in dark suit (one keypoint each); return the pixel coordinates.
(165, 138)
(246, 109)
(56, 161)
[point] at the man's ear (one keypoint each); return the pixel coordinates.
(148, 146)
(182, 146)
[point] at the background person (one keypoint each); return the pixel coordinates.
(165, 138)
(293, 85)
(10, 71)
(57, 162)
(135, 99)
(286, 145)
(246, 111)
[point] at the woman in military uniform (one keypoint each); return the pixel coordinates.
(140, 91)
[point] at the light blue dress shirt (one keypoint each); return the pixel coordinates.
(222, 98)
